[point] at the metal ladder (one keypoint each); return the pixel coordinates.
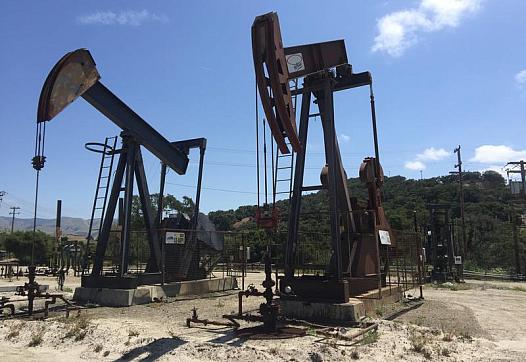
(101, 192)
(285, 173)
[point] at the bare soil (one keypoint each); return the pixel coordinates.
(484, 321)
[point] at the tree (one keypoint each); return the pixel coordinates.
(20, 244)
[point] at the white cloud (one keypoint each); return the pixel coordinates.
(399, 30)
(520, 79)
(128, 17)
(432, 154)
(344, 138)
(492, 154)
(415, 165)
(498, 169)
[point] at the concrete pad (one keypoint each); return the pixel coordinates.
(375, 299)
(147, 293)
(103, 296)
(351, 311)
(12, 288)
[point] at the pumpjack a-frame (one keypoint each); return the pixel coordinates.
(359, 237)
(75, 75)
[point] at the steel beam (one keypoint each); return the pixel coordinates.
(123, 116)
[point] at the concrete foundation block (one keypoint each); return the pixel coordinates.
(106, 297)
(148, 293)
(351, 311)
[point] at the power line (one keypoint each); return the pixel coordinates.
(214, 189)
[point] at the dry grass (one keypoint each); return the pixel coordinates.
(133, 333)
(370, 338)
(419, 343)
(78, 327)
(14, 331)
(37, 337)
(448, 337)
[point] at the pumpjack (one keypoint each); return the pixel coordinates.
(75, 75)
(360, 238)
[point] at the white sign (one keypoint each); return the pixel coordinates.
(458, 260)
(295, 62)
(384, 237)
(173, 237)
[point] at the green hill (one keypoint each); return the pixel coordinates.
(487, 212)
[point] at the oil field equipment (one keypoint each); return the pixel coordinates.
(75, 75)
(360, 237)
(441, 247)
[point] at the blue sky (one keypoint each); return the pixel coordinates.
(446, 72)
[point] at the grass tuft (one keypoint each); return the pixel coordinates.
(370, 338)
(36, 338)
(78, 327)
(133, 333)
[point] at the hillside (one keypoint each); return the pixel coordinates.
(70, 225)
(489, 232)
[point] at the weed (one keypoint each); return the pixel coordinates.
(465, 336)
(220, 303)
(36, 338)
(370, 338)
(379, 310)
(355, 355)
(426, 353)
(311, 331)
(133, 333)
(519, 289)
(273, 350)
(98, 348)
(78, 327)
(418, 341)
(446, 352)
(67, 290)
(315, 357)
(448, 337)
(14, 331)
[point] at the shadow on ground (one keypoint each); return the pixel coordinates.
(153, 350)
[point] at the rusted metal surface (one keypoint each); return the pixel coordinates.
(73, 75)
(311, 58)
(359, 236)
(372, 175)
(272, 80)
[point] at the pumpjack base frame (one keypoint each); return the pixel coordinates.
(131, 281)
(314, 288)
(120, 282)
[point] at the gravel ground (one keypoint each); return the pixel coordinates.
(484, 322)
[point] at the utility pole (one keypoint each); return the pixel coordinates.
(514, 216)
(461, 202)
(461, 196)
(522, 171)
(13, 212)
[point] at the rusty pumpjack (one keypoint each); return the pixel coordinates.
(75, 75)
(359, 237)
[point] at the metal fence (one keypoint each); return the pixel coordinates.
(243, 252)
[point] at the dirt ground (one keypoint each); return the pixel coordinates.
(470, 322)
